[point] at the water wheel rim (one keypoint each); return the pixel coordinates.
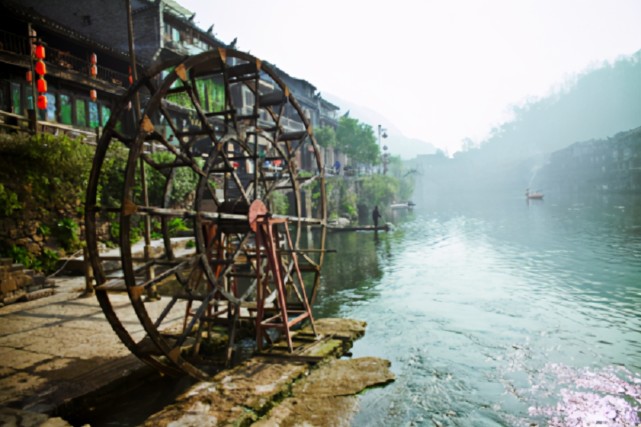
(173, 360)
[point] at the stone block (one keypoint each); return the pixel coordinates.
(39, 280)
(13, 296)
(17, 267)
(22, 281)
(8, 285)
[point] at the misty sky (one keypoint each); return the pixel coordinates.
(440, 71)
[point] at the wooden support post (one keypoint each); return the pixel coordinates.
(89, 277)
(267, 241)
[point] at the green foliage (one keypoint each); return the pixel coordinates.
(348, 204)
(397, 169)
(112, 176)
(183, 184)
(379, 190)
(48, 172)
(44, 230)
(176, 225)
(49, 260)
(341, 200)
(114, 227)
(21, 255)
(9, 202)
(44, 179)
(278, 203)
(326, 136)
(67, 232)
(357, 140)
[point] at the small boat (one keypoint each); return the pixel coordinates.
(535, 195)
(408, 205)
(384, 227)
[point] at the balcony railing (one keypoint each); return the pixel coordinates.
(13, 43)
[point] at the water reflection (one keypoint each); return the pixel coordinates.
(473, 301)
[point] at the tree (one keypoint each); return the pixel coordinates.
(357, 140)
(326, 137)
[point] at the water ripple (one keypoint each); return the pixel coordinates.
(472, 306)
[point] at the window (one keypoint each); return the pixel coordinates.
(105, 113)
(51, 108)
(65, 110)
(16, 99)
(28, 96)
(211, 94)
(81, 112)
(94, 117)
(5, 99)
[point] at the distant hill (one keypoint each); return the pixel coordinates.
(598, 103)
(397, 143)
(601, 102)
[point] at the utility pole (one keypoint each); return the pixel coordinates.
(152, 292)
(382, 133)
(33, 112)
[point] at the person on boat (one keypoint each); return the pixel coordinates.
(375, 216)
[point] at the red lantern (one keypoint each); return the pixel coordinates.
(42, 85)
(131, 77)
(93, 59)
(93, 70)
(29, 76)
(42, 102)
(40, 51)
(41, 68)
(93, 95)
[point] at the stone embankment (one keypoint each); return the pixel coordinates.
(56, 351)
(311, 387)
(20, 284)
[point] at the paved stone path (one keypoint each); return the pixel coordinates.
(58, 348)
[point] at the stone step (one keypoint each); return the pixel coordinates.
(17, 267)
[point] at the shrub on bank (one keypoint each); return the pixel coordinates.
(42, 184)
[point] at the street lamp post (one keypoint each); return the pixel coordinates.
(382, 133)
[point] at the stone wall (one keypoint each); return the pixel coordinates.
(18, 283)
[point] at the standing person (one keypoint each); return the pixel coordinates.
(337, 167)
(375, 216)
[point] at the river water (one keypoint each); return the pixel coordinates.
(497, 312)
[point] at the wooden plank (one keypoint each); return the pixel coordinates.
(290, 136)
(271, 99)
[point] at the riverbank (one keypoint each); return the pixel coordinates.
(59, 350)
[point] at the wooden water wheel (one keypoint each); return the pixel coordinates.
(226, 124)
